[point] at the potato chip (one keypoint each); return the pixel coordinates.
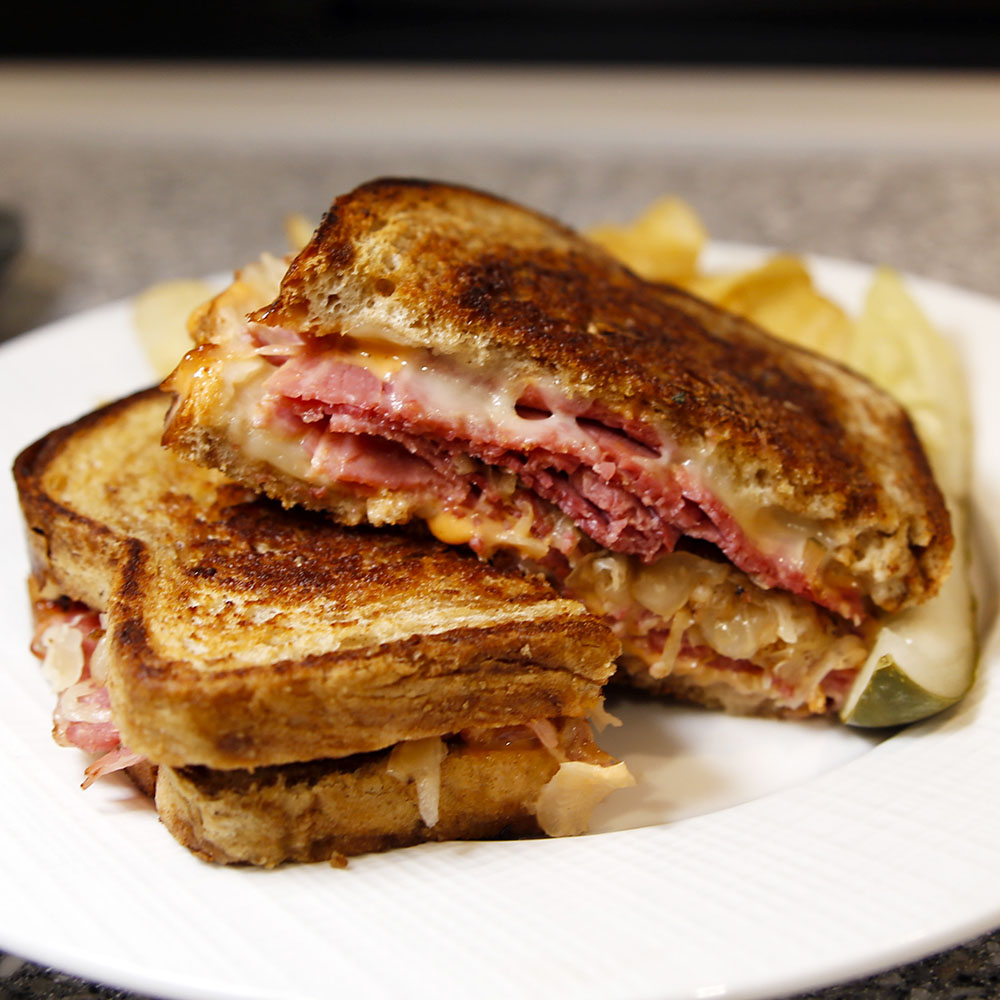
(298, 231)
(895, 345)
(780, 297)
(663, 244)
(160, 316)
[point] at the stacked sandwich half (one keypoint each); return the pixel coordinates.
(497, 461)
(742, 512)
(289, 689)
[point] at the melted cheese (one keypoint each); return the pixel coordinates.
(490, 534)
(485, 408)
(380, 357)
(259, 441)
(451, 529)
(477, 406)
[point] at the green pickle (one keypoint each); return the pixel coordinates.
(924, 658)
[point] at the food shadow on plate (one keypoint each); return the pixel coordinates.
(118, 794)
(689, 761)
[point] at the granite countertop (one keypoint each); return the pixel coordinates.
(107, 212)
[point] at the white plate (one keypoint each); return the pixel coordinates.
(797, 855)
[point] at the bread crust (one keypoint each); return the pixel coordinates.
(298, 812)
(504, 288)
(242, 635)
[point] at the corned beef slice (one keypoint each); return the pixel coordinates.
(406, 431)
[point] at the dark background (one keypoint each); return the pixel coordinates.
(846, 33)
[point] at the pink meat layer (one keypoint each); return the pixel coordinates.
(385, 433)
(82, 716)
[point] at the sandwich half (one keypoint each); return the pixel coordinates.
(741, 510)
(290, 689)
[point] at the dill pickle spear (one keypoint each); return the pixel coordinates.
(924, 658)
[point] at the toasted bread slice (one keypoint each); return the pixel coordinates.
(317, 810)
(808, 477)
(244, 636)
(421, 694)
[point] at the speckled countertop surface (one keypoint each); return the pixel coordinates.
(106, 212)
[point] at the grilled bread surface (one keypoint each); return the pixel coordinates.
(317, 810)
(504, 288)
(244, 636)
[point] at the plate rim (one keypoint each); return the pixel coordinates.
(826, 270)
